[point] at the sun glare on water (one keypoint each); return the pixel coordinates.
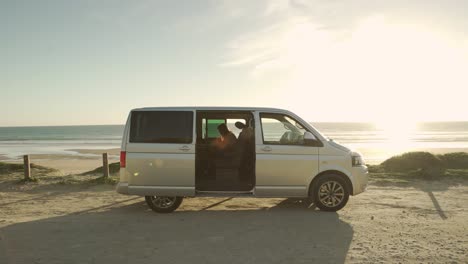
(396, 136)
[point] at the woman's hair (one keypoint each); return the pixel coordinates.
(223, 130)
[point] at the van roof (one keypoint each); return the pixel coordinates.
(235, 108)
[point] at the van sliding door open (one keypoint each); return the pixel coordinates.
(225, 163)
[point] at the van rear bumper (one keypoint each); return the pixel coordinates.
(122, 187)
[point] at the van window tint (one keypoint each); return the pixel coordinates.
(161, 127)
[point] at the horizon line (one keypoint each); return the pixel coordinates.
(343, 122)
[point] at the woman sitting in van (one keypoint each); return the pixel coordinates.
(227, 141)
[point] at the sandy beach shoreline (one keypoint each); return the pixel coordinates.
(86, 160)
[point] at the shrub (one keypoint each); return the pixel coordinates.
(10, 167)
(455, 160)
(104, 180)
(19, 167)
(411, 161)
(114, 168)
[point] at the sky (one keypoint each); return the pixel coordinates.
(90, 62)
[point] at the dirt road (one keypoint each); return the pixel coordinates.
(424, 222)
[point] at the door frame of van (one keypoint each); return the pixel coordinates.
(219, 114)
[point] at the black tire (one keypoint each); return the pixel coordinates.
(163, 204)
(330, 193)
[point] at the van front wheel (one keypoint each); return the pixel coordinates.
(163, 204)
(330, 193)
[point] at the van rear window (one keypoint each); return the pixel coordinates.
(161, 127)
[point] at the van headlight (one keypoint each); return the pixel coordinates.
(357, 160)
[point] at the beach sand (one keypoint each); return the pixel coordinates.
(71, 165)
(89, 159)
(4, 157)
(423, 222)
(111, 152)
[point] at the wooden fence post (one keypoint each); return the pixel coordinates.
(27, 168)
(105, 164)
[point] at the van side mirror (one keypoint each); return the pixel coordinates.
(311, 140)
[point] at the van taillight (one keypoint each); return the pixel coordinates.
(123, 159)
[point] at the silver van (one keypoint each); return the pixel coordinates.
(169, 153)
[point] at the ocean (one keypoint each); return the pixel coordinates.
(375, 142)
(17, 141)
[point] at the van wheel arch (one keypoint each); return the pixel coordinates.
(349, 184)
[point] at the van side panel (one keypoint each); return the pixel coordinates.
(160, 168)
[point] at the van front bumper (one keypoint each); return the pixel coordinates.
(360, 177)
(122, 187)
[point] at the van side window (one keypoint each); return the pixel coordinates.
(279, 129)
(210, 127)
(231, 124)
(161, 127)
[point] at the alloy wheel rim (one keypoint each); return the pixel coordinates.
(163, 201)
(331, 193)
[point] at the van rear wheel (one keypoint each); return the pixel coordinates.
(330, 193)
(163, 204)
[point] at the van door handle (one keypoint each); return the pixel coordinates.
(267, 149)
(184, 148)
